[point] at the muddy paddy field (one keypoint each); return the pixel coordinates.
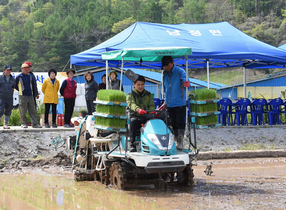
(35, 175)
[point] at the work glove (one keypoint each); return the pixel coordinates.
(186, 84)
(141, 111)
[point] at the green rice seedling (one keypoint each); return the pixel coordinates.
(204, 94)
(207, 120)
(110, 122)
(201, 108)
(105, 109)
(111, 95)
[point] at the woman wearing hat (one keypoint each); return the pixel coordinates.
(50, 89)
(68, 91)
(113, 83)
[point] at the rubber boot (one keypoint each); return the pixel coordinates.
(5, 126)
(132, 147)
(181, 133)
(176, 135)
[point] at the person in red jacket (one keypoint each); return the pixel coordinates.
(68, 91)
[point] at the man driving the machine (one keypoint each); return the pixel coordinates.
(141, 100)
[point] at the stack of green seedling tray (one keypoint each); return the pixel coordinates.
(110, 110)
(206, 108)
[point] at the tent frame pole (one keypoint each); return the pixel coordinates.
(162, 87)
(122, 63)
(208, 73)
(106, 72)
(244, 81)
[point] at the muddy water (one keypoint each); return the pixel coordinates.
(234, 184)
(34, 191)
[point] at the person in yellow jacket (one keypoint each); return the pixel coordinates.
(50, 89)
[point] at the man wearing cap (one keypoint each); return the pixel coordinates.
(68, 91)
(25, 83)
(6, 94)
(114, 83)
(29, 67)
(175, 97)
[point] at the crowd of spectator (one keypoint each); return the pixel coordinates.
(25, 84)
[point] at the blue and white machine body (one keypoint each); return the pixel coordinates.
(157, 139)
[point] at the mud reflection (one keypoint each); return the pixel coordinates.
(47, 192)
(60, 197)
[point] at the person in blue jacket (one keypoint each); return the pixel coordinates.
(175, 97)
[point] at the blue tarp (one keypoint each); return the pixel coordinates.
(155, 76)
(220, 43)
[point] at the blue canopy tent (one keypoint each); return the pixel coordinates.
(283, 47)
(214, 45)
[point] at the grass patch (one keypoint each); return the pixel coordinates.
(15, 119)
(226, 77)
(109, 122)
(111, 95)
(227, 149)
(78, 113)
(119, 110)
(3, 162)
(253, 147)
(39, 157)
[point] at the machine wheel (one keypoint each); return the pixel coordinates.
(104, 176)
(76, 176)
(188, 175)
(96, 176)
(117, 176)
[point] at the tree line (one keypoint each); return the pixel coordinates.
(47, 32)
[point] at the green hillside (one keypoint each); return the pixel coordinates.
(47, 32)
(232, 76)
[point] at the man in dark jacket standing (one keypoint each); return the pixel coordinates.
(141, 100)
(6, 94)
(91, 89)
(175, 96)
(26, 84)
(30, 72)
